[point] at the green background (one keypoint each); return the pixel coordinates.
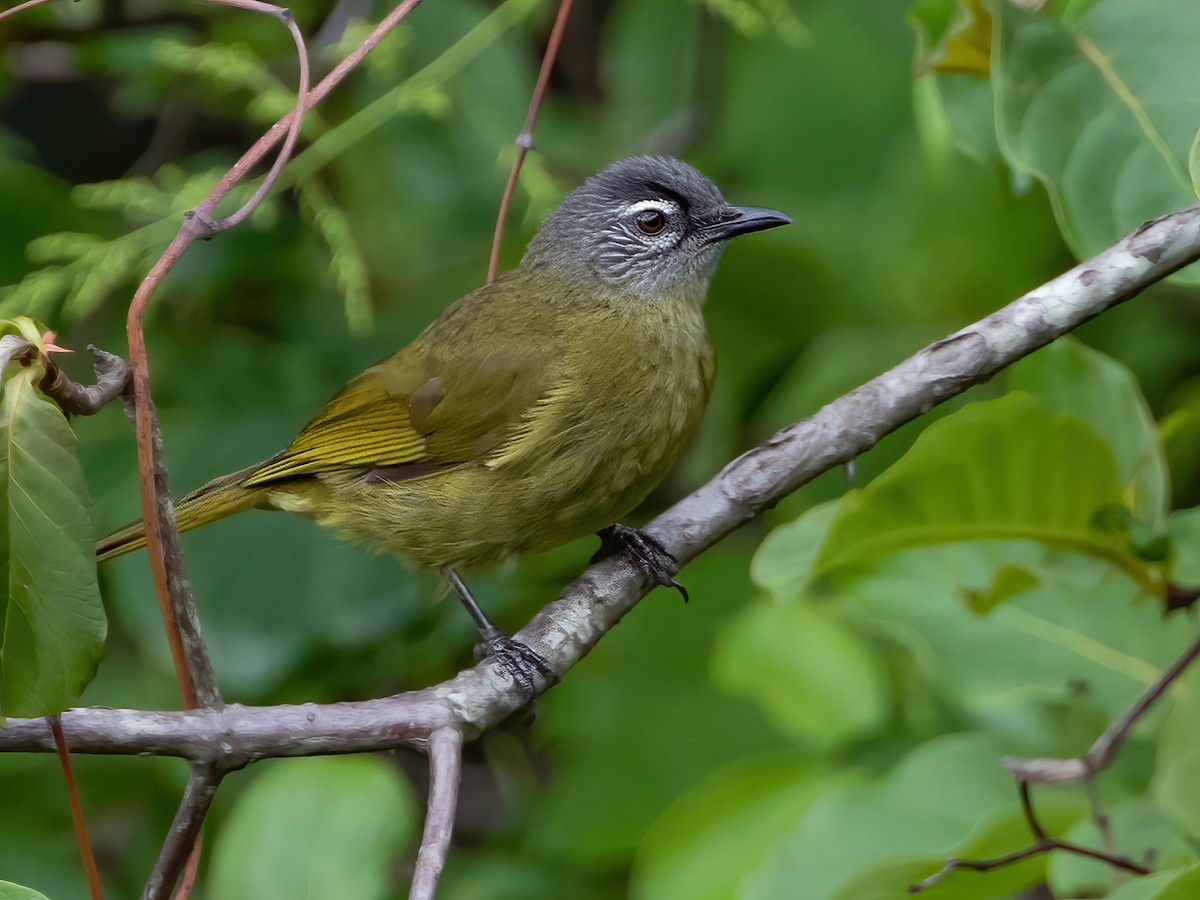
(826, 723)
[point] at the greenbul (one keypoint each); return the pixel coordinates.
(534, 410)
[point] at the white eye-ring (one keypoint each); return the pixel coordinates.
(651, 216)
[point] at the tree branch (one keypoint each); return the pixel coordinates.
(112, 377)
(567, 628)
(445, 771)
(1102, 752)
(184, 832)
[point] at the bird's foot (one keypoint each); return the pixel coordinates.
(646, 552)
(517, 659)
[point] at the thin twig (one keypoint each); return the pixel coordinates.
(445, 773)
(1041, 844)
(1102, 752)
(21, 7)
(1099, 817)
(81, 832)
(293, 132)
(525, 138)
(182, 836)
(112, 376)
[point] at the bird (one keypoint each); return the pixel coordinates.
(541, 407)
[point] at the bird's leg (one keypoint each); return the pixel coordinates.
(519, 660)
(650, 556)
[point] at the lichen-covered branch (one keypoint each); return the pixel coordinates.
(445, 772)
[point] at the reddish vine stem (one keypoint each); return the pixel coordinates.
(525, 138)
(81, 833)
(161, 532)
(188, 879)
(199, 223)
(21, 7)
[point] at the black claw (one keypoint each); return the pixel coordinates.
(522, 663)
(645, 551)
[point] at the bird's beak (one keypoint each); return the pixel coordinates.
(743, 220)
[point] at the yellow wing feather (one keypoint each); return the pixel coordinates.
(425, 406)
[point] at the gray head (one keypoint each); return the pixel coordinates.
(647, 224)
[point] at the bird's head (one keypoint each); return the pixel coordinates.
(649, 225)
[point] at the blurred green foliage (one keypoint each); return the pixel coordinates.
(824, 719)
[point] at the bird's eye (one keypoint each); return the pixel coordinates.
(650, 221)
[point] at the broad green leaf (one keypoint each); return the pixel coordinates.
(1102, 111)
(1176, 784)
(1006, 584)
(1004, 469)
(1184, 886)
(1139, 832)
(1184, 529)
(319, 827)
(1179, 431)
(53, 621)
(1171, 885)
(10, 891)
(996, 835)
(1194, 163)
(953, 35)
(714, 835)
(784, 559)
(814, 676)
(1078, 640)
(1071, 378)
(932, 801)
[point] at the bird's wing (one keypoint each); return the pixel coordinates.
(449, 398)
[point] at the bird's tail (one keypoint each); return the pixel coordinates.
(219, 498)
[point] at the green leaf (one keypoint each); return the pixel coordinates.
(1184, 528)
(1159, 886)
(1007, 583)
(1184, 886)
(814, 676)
(1103, 112)
(933, 800)
(1176, 784)
(1139, 832)
(1077, 640)
(722, 829)
(984, 473)
(53, 620)
(1194, 163)
(10, 891)
(996, 835)
(1071, 378)
(783, 561)
(320, 827)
